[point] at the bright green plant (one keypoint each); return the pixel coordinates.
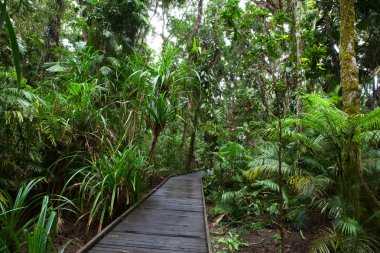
(42, 237)
(14, 217)
(19, 226)
(160, 112)
(232, 243)
(110, 181)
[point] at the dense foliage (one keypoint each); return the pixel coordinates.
(261, 95)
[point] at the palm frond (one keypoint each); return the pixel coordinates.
(267, 184)
(347, 226)
(326, 243)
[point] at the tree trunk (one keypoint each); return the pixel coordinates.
(196, 92)
(288, 95)
(263, 93)
(198, 21)
(280, 181)
(349, 69)
(53, 29)
(299, 61)
(190, 157)
(153, 145)
(184, 137)
(351, 157)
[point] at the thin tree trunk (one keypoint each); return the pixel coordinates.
(184, 137)
(198, 22)
(196, 92)
(288, 95)
(299, 61)
(263, 93)
(190, 157)
(153, 146)
(53, 29)
(84, 15)
(282, 207)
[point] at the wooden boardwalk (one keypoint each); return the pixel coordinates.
(171, 220)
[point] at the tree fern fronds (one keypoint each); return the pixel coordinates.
(314, 100)
(320, 143)
(293, 135)
(291, 122)
(372, 153)
(372, 136)
(371, 120)
(270, 132)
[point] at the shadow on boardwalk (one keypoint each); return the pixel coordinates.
(170, 220)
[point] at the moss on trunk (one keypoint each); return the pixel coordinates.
(349, 67)
(354, 190)
(351, 157)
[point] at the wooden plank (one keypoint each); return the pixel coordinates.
(169, 230)
(160, 242)
(121, 249)
(171, 206)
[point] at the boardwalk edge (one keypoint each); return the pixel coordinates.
(206, 221)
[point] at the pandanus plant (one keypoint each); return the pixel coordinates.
(159, 112)
(21, 230)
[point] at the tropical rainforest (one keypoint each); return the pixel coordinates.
(277, 101)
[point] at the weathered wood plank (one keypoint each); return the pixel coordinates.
(154, 241)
